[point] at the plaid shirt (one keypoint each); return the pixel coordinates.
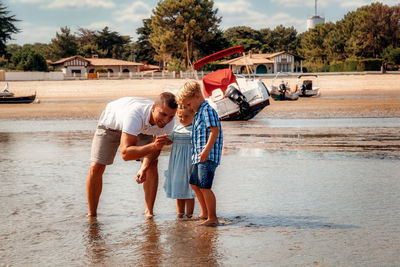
(204, 118)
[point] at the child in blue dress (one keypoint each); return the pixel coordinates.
(180, 162)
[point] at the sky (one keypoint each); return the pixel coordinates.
(42, 19)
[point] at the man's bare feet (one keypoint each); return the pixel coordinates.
(180, 215)
(89, 215)
(148, 215)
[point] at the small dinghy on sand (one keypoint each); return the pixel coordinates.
(7, 97)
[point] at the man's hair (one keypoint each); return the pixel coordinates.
(166, 98)
(188, 90)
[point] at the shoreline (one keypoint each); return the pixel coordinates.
(369, 95)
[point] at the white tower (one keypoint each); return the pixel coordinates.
(314, 20)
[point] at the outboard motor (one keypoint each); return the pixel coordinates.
(307, 85)
(239, 99)
(282, 91)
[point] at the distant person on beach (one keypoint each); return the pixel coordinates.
(140, 127)
(180, 162)
(207, 148)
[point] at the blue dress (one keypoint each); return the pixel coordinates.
(180, 161)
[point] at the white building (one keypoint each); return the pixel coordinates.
(80, 66)
(266, 63)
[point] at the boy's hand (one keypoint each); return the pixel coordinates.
(161, 141)
(204, 155)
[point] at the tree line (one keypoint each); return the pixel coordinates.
(179, 32)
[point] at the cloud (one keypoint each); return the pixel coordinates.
(345, 4)
(291, 3)
(99, 25)
(28, 1)
(135, 12)
(35, 34)
(240, 11)
(74, 4)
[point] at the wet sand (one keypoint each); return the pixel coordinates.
(290, 192)
(306, 183)
(372, 95)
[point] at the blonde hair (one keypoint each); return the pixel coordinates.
(189, 89)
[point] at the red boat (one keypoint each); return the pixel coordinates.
(234, 98)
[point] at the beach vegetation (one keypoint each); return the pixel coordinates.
(176, 65)
(179, 32)
(7, 27)
(358, 42)
(391, 55)
(111, 42)
(180, 28)
(64, 44)
(27, 59)
(142, 50)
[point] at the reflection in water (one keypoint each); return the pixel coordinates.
(190, 244)
(95, 248)
(287, 195)
(150, 246)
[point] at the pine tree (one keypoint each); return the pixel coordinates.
(7, 27)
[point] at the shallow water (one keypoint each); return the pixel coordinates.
(289, 192)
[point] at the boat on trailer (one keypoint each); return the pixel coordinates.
(234, 98)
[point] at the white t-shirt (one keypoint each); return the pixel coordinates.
(131, 115)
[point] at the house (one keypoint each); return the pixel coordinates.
(266, 63)
(149, 67)
(80, 66)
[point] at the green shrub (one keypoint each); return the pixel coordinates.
(100, 70)
(373, 64)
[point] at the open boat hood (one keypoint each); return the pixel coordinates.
(218, 55)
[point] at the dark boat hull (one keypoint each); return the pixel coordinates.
(18, 99)
(237, 116)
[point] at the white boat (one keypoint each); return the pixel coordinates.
(7, 97)
(281, 91)
(234, 98)
(5, 92)
(306, 85)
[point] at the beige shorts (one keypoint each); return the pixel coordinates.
(106, 142)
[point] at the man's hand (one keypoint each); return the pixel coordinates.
(162, 140)
(141, 176)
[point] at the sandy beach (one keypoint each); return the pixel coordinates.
(369, 95)
(312, 182)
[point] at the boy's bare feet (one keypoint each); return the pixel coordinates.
(89, 215)
(210, 223)
(180, 215)
(203, 217)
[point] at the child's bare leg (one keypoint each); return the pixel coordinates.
(189, 207)
(211, 203)
(200, 198)
(180, 204)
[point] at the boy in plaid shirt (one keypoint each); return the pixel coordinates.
(206, 148)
